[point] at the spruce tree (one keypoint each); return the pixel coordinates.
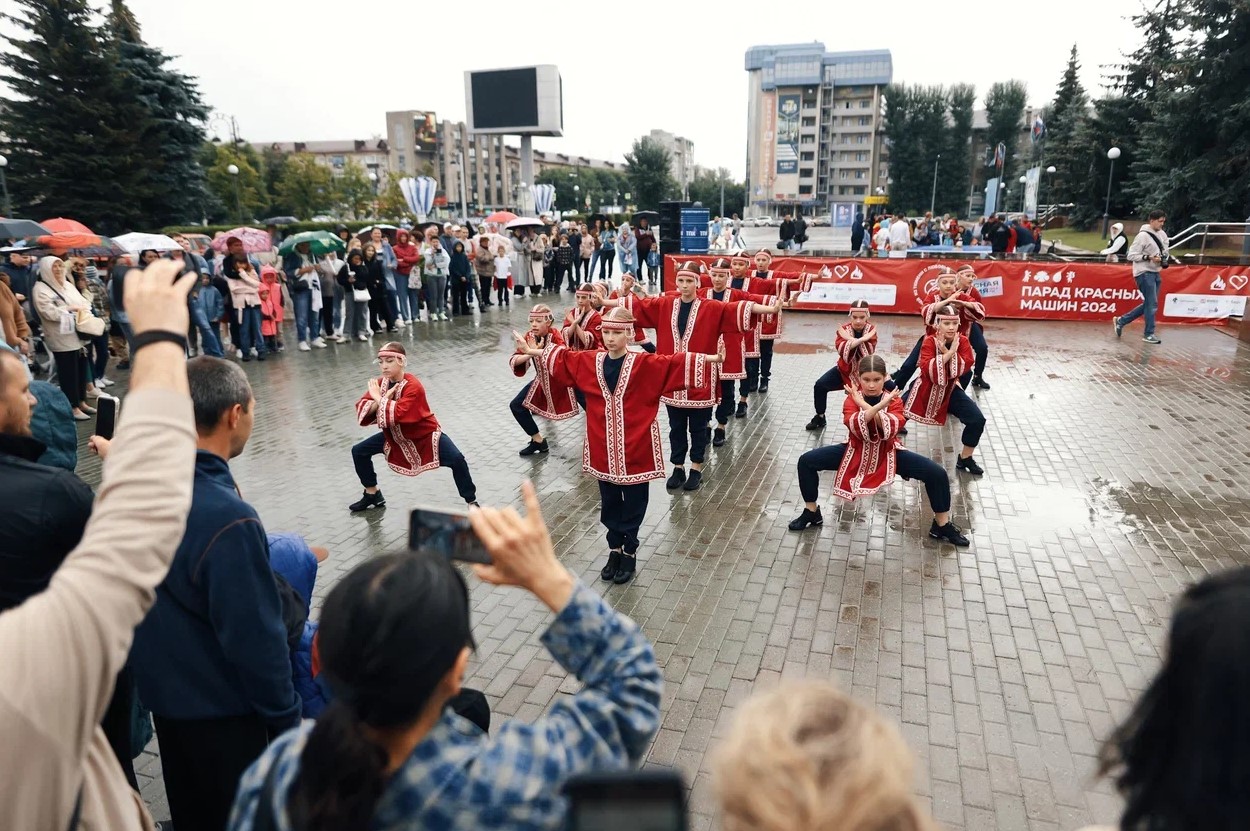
(1004, 110)
(170, 133)
(954, 176)
(70, 124)
(1064, 145)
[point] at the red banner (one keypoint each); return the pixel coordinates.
(1013, 288)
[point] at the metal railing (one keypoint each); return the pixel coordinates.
(1218, 230)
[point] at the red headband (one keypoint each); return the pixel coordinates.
(390, 353)
(740, 261)
(542, 316)
(618, 325)
(585, 291)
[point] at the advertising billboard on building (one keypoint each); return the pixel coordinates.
(424, 130)
(768, 145)
(787, 134)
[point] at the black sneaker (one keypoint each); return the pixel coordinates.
(741, 412)
(1151, 339)
(367, 501)
(979, 383)
(969, 465)
(902, 431)
(260, 357)
(817, 422)
(677, 479)
(764, 385)
(614, 563)
(718, 436)
(693, 481)
(949, 533)
(625, 572)
(1117, 326)
(806, 520)
(534, 447)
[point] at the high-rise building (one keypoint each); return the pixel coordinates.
(814, 138)
(371, 154)
(680, 158)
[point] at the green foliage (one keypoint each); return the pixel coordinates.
(306, 185)
(391, 201)
(649, 177)
(1004, 110)
(705, 187)
(273, 164)
(252, 201)
(354, 190)
(955, 172)
(1067, 140)
(921, 123)
(574, 185)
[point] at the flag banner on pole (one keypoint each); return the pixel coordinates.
(544, 197)
(1038, 131)
(419, 194)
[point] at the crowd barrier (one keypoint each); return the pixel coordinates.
(1041, 290)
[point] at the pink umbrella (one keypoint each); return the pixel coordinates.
(501, 217)
(255, 241)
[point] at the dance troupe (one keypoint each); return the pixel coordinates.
(715, 329)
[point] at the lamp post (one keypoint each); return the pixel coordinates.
(4, 186)
(233, 170)
(1023, 180)
(933, 193)
(1050, 174)
(464, 188)
(626, 205)
(373, 182)
(1112, 154)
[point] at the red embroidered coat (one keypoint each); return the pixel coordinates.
(770, 325)
(408, 425)
(734, 368)
(627, 301)
(592, 330)
(966, 314)
(765, 287)
(545, 398)
(848, 357)
(869, 462)
(930, 396)
(708, 319)
(622, 443)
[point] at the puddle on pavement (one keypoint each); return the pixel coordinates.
(1105, 504)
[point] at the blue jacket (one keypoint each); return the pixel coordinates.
(212, 304)
(293, 559)
(52, 422)
(214, 644)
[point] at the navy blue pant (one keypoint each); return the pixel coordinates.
(694, 420)
(766, 360)
(966, 410)
(908, 465)
(825, 384)
(980, 351)
(448, 456)
(622, 511)
(908, 368)
(750, 383)
(523, 416)
(726, 406)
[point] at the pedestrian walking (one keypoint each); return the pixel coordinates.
(1149, 256)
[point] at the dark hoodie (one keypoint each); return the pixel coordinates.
(459, 268)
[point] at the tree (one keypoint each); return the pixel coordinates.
(649, 179)
(170, 133)
(216, 160)
(273, 165)
(705, 187)
(1065, 145)
(354, 189)
(306, 185)
(955, 173)
(915, 124)
(391, 201)
(1004, 110)
(70, 125)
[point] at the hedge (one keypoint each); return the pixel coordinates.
(298, 227)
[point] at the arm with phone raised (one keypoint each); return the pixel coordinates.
(605, 726)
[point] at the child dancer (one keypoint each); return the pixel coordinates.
(503, 277)
(975, 333)
(872, 456)
(409, 435)
(542, 396)
(734, 343)
(853, 340)
(622, 447)
(947, 293)
(944, 357)
(581, 323)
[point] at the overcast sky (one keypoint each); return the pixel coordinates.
(293, 70)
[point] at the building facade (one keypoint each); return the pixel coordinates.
(680, 158)
(371, 154)
(814, 128)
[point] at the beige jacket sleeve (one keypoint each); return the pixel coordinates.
(63, 648)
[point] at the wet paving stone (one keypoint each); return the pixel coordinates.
(1115, 476)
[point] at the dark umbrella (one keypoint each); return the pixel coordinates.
(418, 230)
(21, 228)
(280, 220)
(590, 220)
(652, 217)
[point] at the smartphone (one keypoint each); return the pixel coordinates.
(106, 416)
(653, 799)
(446, 532)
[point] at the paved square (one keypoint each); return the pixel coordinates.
(1115, 475)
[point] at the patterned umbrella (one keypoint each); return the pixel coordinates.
(60, 223)
(500, 217)
(255, 241)
(320, 243)
(134, 243)
(78, 245)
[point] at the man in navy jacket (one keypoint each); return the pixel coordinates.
(211, 658)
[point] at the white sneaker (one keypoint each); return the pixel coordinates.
(238, 353)
(363, 336)
(103, 382)
(399, 321)
(443, 316)
(319, 343)
(304, 347)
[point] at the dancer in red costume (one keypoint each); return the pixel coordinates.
(622, 447)
(948, 293)
(409, 435)
(734, 367)
(581, 323)
(854, 339)
(542, 396)
(626, 295)
(872, 456)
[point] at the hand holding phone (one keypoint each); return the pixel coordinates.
(446, 532)
(106, 416)
(630, 800)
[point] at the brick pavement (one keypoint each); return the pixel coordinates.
(1114, 476)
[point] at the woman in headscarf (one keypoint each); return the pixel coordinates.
(60, 306)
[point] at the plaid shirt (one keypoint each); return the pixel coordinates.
(460, 778)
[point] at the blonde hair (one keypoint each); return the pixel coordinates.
(805, 757)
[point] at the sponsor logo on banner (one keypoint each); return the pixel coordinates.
(926, 282)
(1203, 305)
(989, 286)
(1218, 283)
(843, 294)
(1238, 281)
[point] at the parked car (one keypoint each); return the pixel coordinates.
(764, 222)
(199, 242)
(823, 221)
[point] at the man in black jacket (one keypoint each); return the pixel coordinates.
(800, 233)
(787, 233)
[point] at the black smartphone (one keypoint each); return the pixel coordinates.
(653, 799)
(106, 416)
(446, 532)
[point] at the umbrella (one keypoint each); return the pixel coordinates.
(590, 220)
(255, 241)
(652, 217)
(134, 243)
(501, 217)
(60, 223)
(526, 222)
(388, 231)
(320, 243)
(418, 230)
(78, 244)
(19, 228)
(280, 220)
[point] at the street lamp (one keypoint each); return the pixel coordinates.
(233, 170)
(4, 185)
(1050, 174)
(1112, 154)
(1023, 180)
(933, 194)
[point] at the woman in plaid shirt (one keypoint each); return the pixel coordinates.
(394, 644)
